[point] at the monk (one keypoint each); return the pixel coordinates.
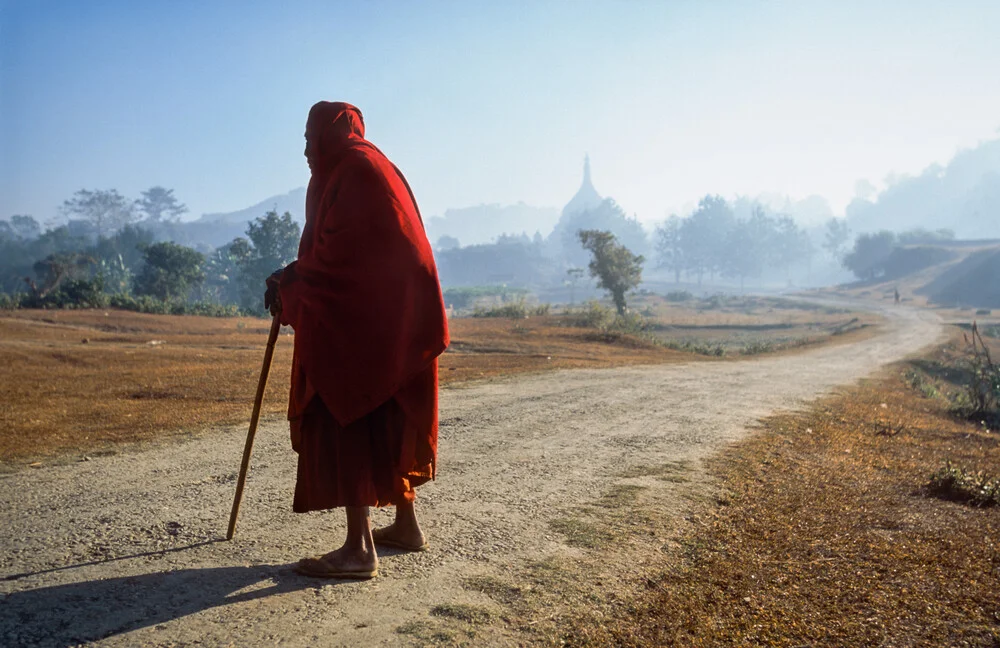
(364, 300)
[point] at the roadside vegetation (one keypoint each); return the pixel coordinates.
(85, 380)
(870, 519)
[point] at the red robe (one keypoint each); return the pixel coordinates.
(364, 300)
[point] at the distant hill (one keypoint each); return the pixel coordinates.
(293, 202)
(972, 282)
(963, 196)
(213, 230)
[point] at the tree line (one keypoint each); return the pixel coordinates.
(713, 241)
(107, 255)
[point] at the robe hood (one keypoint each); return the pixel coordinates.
(332, 127)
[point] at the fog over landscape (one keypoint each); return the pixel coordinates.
(673, 322)
(757, 155)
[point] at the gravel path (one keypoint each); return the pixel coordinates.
(125, 549)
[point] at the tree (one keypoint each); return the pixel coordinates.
(704, 234)
(574, 274)
(171, 271)
(445, 243)
(273, 243)
(749, 246)
(608, 216)
(120, 255)
(669, 246)
(791, 244)
(614, 266)
(836, 237)
(108, 211)
(25, 228)
(56, 268)
(157, 202)
(867, 259)
(511, 260)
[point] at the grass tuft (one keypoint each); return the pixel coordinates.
(473, 614)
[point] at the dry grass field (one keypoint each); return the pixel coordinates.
(827, 531)
(83, 381)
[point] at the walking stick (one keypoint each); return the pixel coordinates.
(272, 337)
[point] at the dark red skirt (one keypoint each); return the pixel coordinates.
(377, 460)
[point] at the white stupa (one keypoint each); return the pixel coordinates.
(587, 197)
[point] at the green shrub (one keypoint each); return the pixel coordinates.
(465, 296)
(701, 348)
(756, 347)
(961, 485)
(591, 315)
(919, 381)
(152, 305)
(511, 310)
(10, 302)
(72, 293)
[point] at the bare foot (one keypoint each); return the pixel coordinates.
(401, 535)
(346, 562)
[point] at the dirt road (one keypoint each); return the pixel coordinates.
(555, 491)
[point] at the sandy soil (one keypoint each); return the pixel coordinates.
(125, 549)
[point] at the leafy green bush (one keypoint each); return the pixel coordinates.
(465, 296)
(147, 304)
(958, 484)
(71, 293)
(591, 315)
(755, 347)
(511, 310)
(701, 348)
(10, 302)
(919, 381)
(678, 296)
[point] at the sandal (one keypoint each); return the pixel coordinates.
(319, 567)
(396, 544)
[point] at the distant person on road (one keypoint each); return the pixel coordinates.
(364, 300)
(895, 292)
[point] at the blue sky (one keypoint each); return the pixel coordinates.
(492, 101)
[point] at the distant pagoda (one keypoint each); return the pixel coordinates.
(587, 197)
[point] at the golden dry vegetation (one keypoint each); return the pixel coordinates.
(826, 532)
(81, 380)
(85, 380)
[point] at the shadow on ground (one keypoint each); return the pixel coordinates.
(66, 615)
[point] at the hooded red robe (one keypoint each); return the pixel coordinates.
(364, 300)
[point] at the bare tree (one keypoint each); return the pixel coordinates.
(108, 211)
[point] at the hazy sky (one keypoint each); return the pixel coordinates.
(491, 101)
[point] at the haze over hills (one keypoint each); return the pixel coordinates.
(484, 223)
(963, 196)
(293, 202)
